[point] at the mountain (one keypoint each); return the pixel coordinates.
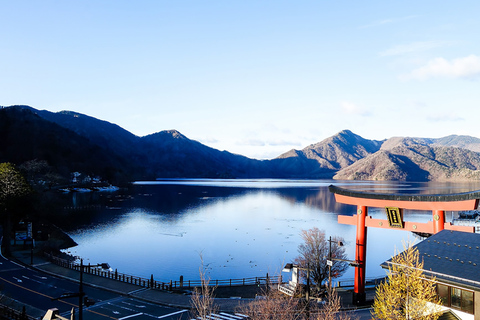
(171, 154)
(69, 141)
(464, 142)
(415, 159)
(27, 136)
(325, 158)
(166, 154)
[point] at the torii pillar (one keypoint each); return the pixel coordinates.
(394, 204)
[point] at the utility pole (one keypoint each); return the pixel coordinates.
(81, 294)
(82, 298)
(330, 262)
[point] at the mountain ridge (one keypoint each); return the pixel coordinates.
(170, 154)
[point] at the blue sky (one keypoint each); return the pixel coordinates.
(256, 78)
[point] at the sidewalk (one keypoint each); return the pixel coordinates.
(229, 299)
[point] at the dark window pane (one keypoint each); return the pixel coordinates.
(442, 291)
(456, 298)
(467, 301)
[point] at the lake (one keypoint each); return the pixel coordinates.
(239, 228)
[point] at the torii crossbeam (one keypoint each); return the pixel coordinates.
(395, 203)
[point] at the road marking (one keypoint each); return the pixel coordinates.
(47, 296)
(131, 316)
(172, 314)
(139, 290)
(18, 280)
(135, 305)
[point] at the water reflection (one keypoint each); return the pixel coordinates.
(241, 228)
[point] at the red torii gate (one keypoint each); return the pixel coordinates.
(394, 204)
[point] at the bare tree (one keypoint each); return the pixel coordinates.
(202, 301)
(314, 253)
(331, 309)
(273, 305)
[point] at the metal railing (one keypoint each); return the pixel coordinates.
(12, 314)
(154, 284)
(368, 282)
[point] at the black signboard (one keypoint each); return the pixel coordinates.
(395, 217)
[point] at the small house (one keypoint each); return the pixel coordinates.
(453, 258)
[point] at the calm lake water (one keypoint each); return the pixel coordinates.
(241, 228)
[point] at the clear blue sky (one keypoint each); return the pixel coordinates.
(256, 78)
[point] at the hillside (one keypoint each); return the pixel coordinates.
(171, 154)
(414, 159)
(68, 141)
(325, 158)
(26, 136)
(166, 154)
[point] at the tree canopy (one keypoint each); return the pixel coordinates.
(406, 294)
(13, 186)
(314, 253)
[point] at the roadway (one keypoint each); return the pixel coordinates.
(38, 287)
(38, 290)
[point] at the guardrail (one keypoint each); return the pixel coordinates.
(368, 282)
(154, 284)
(10, 313)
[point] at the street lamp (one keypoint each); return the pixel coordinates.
(330, 260)
(82, 298)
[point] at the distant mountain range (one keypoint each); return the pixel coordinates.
(70, 141)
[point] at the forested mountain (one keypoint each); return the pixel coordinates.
(415, 159)
(26, 136)
(70, 141)
(325, 158)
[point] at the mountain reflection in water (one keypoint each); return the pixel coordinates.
(241, 228)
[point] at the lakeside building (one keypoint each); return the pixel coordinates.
(453, 258)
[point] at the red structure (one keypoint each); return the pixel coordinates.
(394, 204)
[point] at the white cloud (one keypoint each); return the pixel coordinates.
(466, 67)
(351, 108)
(268, 142)
(444, 117)
(252, 143)
(208, 140)
(413, 47)
(387, 21)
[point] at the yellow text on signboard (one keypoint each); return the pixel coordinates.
(395, 217)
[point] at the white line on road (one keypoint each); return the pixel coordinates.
(172, 314)
(131, 316)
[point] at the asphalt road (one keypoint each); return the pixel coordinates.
(39, 290)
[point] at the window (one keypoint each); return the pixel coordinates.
(443, 294)
(456, 298)
(467, 301)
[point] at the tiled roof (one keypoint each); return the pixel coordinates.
(451, 256)
(448, 315)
